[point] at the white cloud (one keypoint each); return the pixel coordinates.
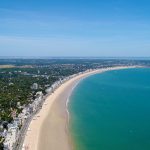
(62, 46)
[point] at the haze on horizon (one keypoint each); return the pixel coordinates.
(75, 28)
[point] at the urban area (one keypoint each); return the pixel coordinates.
(25, 84)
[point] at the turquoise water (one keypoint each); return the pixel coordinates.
(111, 111)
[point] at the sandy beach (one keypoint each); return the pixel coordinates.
(48, 129)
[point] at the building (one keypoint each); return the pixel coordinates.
(11, 136)
(34, 86)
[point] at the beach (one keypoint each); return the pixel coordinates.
(48, 130)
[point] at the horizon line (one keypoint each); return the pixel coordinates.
(74, 57)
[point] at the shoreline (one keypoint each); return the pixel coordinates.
(49, 128)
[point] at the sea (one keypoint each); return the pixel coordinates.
(111, 111)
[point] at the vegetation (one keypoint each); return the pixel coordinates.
(16, 82)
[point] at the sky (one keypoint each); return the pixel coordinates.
(79, 28)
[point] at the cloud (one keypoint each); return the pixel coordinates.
(31, 33)
(27, 46)
(63, 46)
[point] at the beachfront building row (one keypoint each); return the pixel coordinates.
(11, 135)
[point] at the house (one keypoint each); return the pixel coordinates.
(11, 136)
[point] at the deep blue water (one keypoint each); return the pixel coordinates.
(111, 111)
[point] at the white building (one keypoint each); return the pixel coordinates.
(34, 86)
(49, 90)
(11, 136)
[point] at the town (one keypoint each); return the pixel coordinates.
(25, 84)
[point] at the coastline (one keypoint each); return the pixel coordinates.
(49, 128)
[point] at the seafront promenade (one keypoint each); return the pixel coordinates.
(20, 139)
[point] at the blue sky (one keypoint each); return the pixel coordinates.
(75, 28)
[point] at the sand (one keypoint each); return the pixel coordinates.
(48, 130)
(6, 66)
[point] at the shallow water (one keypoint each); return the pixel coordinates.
(111, 111)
